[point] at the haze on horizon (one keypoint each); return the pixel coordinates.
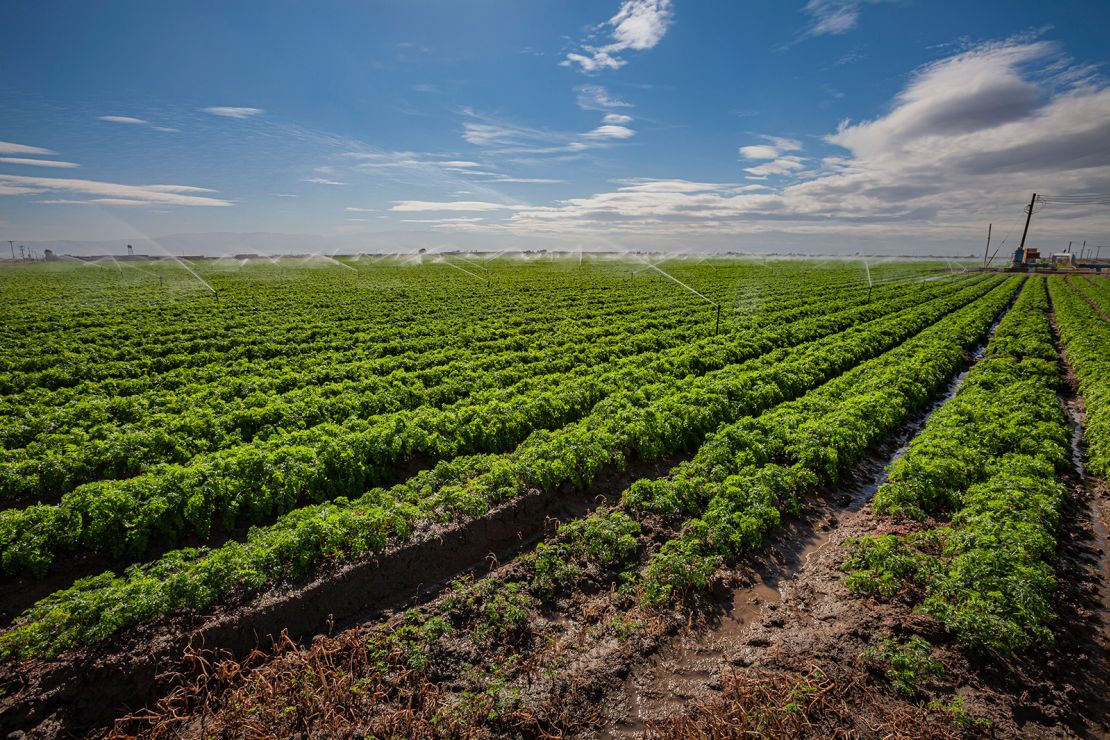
(812, 126)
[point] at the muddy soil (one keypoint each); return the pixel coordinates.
(791, 625)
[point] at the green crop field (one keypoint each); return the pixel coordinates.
(223, 450)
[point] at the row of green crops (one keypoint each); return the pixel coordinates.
(747, 473)
(1094, 289)
(1086, 339)
(253, 483)
(988, 463)
(648, 423)
(119, 447)
(259, 325)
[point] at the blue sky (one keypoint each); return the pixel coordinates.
(819, 126)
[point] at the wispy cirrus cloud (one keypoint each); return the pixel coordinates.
(132, 121)
(110, 193)
(597, 97)
(124, 119)
(502, 137)
(834, 17)
(457, 205)
(528, 180)
(638, 25)
(322, 181)
(226, 111)
(39, 162)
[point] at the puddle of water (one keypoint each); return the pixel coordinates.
(1096, 509)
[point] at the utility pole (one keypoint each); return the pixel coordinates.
(21, 252)
(988, 249)
(1028, 218)
(11, 244)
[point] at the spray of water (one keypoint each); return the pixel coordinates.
(117, 264)
(441, 261)
(333, 260)
(668, 275)
(85, 263)
(473, 264)
(191, 271)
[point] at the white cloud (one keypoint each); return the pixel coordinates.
(777, 146)
(458, 205)
(7, 147)
(16, 189)
(617, 118)
(355, 209)
(322, 181)
(759, 151)
(780, 166)
(596, 97)
(609, 131)
(638, 25)
(637, 185)
(39, 162)
(123, 119)
(232, 112)
(113, 193)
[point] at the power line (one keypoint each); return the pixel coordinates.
(1078, 199)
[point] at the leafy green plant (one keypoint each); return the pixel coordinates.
(909, 665)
